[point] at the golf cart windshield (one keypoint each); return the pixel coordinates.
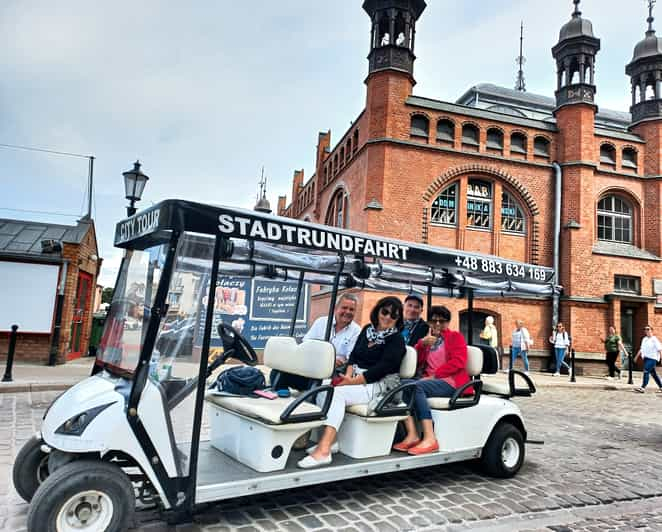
(124, 332)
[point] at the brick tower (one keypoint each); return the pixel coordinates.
(575, 116)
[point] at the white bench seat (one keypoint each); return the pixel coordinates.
(267, 410)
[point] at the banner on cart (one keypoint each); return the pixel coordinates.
(256, 308)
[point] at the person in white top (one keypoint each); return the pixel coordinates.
(344, 330)
(649, 351)
(521, 341)
(561, 340)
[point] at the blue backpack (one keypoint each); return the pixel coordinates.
(240, 380)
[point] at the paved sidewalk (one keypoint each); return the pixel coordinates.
(34, 377)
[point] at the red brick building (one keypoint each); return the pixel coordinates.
(481, 174)
(53, 271)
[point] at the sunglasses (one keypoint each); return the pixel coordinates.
(437, 320)
(647, 329)
(389, 312)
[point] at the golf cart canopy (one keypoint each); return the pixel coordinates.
(264, 245)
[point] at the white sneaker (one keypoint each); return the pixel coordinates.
(335, 448)
(309, 462)
(610, 378)
(557, 374)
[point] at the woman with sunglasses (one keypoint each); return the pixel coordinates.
(561, 341)
(442, 360)
(378, 352)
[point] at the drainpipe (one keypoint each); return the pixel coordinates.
(558, 181)
(59, 305)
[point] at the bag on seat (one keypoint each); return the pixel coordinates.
(240, 380)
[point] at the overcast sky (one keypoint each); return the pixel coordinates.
(205, 93)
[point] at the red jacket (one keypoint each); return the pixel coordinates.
(456, 363)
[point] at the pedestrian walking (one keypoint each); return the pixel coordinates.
(613, 346)
(649, 351)
(489, 333)
(520, 344)
(561, 341)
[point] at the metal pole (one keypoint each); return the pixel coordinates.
(297, 302)
(10, 354)
(429, 301)
(572, 365)
(630, 368)
(90, 185)
(470, 312)
(131, 209)
(334, 295)
(510, 364)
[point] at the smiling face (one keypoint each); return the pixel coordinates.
(412, 309)
(437, 324)
(345, 311)
(387, 317)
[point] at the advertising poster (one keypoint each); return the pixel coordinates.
(257, 309)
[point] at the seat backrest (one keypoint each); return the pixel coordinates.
(314, 359)
(408, 364)
(474, 360)
(490, 359)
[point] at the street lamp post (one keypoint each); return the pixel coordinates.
(134, 184)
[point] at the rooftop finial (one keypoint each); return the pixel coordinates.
(650, 19)
(577, 12)
(520, 85)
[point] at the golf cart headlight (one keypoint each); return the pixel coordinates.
(74, 426)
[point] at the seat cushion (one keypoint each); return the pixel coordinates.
(267, 410)
(438, 403)
(495, 387)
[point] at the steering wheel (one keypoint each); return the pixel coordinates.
(236, 346)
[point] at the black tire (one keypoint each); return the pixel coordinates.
(30, 468)
(57, 491)
(503, 454)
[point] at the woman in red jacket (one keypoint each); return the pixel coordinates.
(442, 360)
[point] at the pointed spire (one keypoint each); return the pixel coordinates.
(650, 19)
(520, 85)
(576, 13)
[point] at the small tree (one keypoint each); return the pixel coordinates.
(107, 295)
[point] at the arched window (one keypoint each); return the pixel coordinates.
(479, 204)
(348, 151)
(630, 158)
(541, 147)
(342, 156)
(518, 143)
(445, 130)
(420, 126)
(607, 154)
(470, 137)
(512, 216)
(444, 207)
(614, 219)
(495, 139)
(355, 143)
(338, 215)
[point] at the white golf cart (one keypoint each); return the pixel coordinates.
(145, 429)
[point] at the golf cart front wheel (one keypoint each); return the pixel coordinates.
(83, 496)
(503, 454)
(30, 468)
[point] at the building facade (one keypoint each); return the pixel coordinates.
(554, 181)
(54, 269)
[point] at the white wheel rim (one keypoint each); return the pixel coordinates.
(87, 511)
(510, 453)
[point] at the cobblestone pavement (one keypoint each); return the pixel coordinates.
(599, 469)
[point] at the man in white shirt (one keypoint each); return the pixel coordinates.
(344, 330)
(650, 352)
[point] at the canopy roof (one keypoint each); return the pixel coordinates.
(272, 246)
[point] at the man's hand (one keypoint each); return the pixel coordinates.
(429, 340)
(339, 361)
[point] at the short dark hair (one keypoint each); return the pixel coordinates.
(441, 311)
(415, 297)
(389, 301)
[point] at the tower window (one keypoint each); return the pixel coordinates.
(355, 143)
(337, 215)
(445, 130)
(420, 126)
(470, 137)
(512, 217)
(479, 204)
(630, 158)
(614, 220)
(607, 154)
(495, 139)
(444, 207)
(541, 147)
(518, 143)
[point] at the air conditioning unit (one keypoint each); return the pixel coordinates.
(51, 246)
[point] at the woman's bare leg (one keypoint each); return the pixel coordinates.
(324, 444)
(428, 433)
(412, 433)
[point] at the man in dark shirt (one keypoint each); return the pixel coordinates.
(415, 327)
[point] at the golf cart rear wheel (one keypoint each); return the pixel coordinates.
(503, 454)
(30, 468)
(83, 496)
